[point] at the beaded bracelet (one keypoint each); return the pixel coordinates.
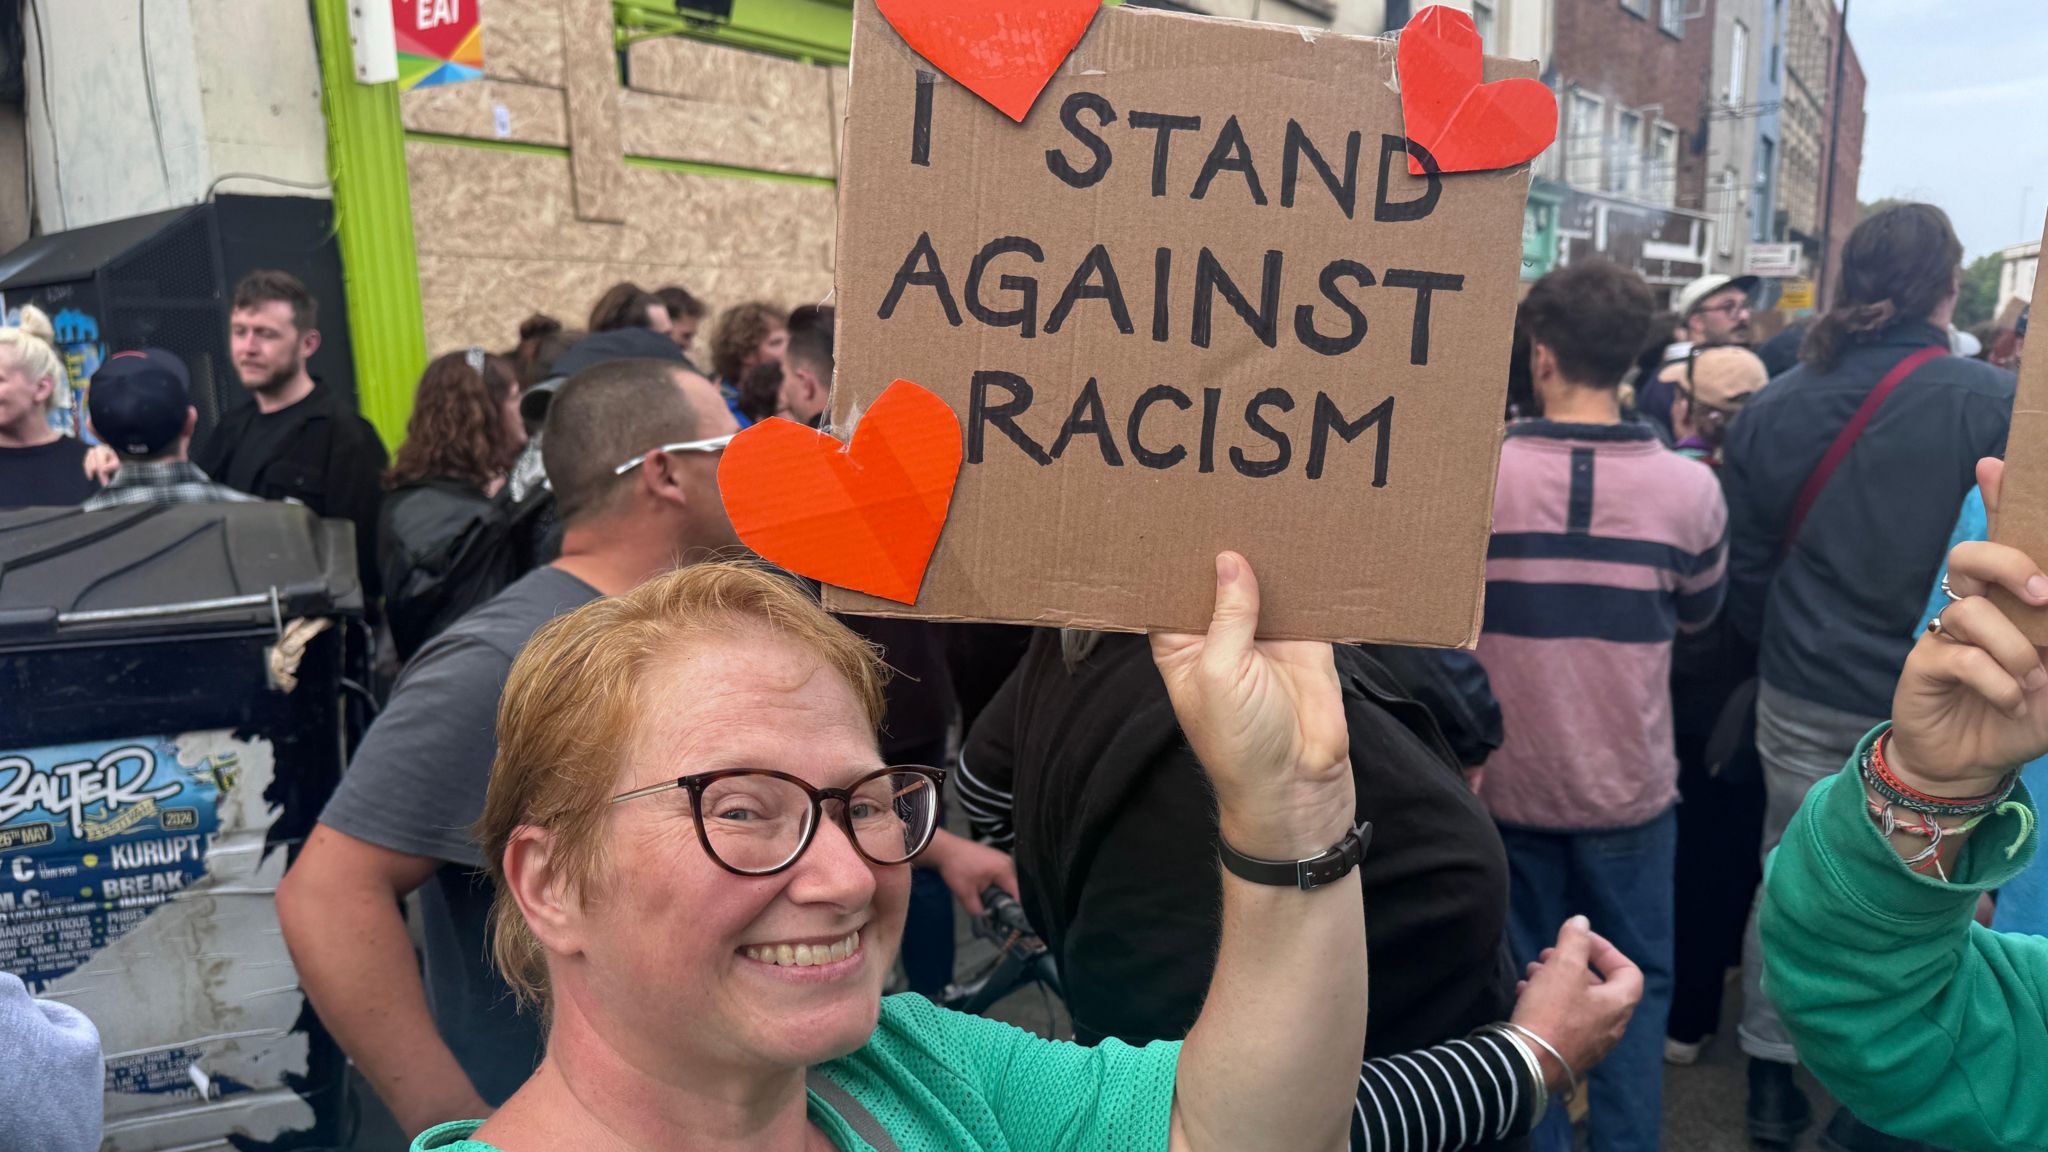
(1897, 793)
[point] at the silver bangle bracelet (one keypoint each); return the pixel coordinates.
(1541, 1089)
(1570, 1074)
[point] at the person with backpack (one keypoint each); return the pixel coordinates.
(1843, 479)
(443, 540)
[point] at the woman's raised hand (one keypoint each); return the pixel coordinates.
(1266, 719)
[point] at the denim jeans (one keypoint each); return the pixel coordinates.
(1622, 881)
(1802, 743)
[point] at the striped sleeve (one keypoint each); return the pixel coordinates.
(1461, 1094)
(986, 801)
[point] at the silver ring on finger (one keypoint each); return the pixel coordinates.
(1948, 592)
(1935, 626)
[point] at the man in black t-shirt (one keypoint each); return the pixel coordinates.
(298, 441)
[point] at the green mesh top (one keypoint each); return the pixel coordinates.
(940, 1081)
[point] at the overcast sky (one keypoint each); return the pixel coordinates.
(1957, 112)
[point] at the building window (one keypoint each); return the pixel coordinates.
(1738, 64)
(1625, 154)
(1583, 146)
(1664, 169)
(1671, 16)
(1639, 7)
(1483, 19)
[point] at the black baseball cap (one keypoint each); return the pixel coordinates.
(138, 401)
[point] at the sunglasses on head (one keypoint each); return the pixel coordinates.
(714, 445)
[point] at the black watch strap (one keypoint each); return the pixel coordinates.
(1325, 867)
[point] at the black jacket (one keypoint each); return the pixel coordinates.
(444, 548)
(332, 462)
(1834, 617)
(1115, 843)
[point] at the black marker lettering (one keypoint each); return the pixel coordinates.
(1143, 455)
(1211, 399)
(1166, 126)
(1023, 317)
(1395, 212)
(1095, 279)
(1425, 284)
(1327, 417)
(921, 122)
(1162, 275)
(1230, 141)
(1344, 191)
(1002, 417)
(1305, 314)
(1087, 416)
(1270, 398)
(930, 276)
(1070, 116)
(1210, 278)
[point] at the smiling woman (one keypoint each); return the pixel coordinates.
(701, 863)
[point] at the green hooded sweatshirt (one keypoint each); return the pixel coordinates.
(1925, 1024)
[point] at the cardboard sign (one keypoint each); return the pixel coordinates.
(1194, 301)
(439, 42)
(2022, 519)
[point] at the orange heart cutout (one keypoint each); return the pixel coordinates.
(1463, 124)
(1003, 51)
(863, 515)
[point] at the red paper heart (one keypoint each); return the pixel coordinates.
(1464, 125)
(863, 515)
(1003, 51)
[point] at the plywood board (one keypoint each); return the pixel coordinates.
(672, 128)
(590, 76)
(523, 40)
(510, 205)
(711, 74)
(532, 114)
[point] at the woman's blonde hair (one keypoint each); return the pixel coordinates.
(569, 707)
(34, 347)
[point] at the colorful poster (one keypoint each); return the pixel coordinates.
(96, 837)
(138, 884)
(439, 42)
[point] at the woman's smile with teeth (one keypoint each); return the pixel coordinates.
(804, 955)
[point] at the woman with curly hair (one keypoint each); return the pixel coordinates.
(746, 335)
(441, 522)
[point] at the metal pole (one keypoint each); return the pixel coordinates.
(1827, 207)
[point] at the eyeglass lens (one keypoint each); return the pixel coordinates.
(761, 823)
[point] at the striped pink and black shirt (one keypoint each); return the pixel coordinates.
(1605, 546)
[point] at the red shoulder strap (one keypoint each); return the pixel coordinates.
(1846, 439)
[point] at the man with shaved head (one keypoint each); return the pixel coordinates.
(632, 450)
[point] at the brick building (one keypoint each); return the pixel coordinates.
(1629, 167)
(1808, 72)
(1842, 160)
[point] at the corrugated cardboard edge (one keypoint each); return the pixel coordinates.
(2022, 520)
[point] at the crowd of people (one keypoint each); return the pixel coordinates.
(668, 826)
